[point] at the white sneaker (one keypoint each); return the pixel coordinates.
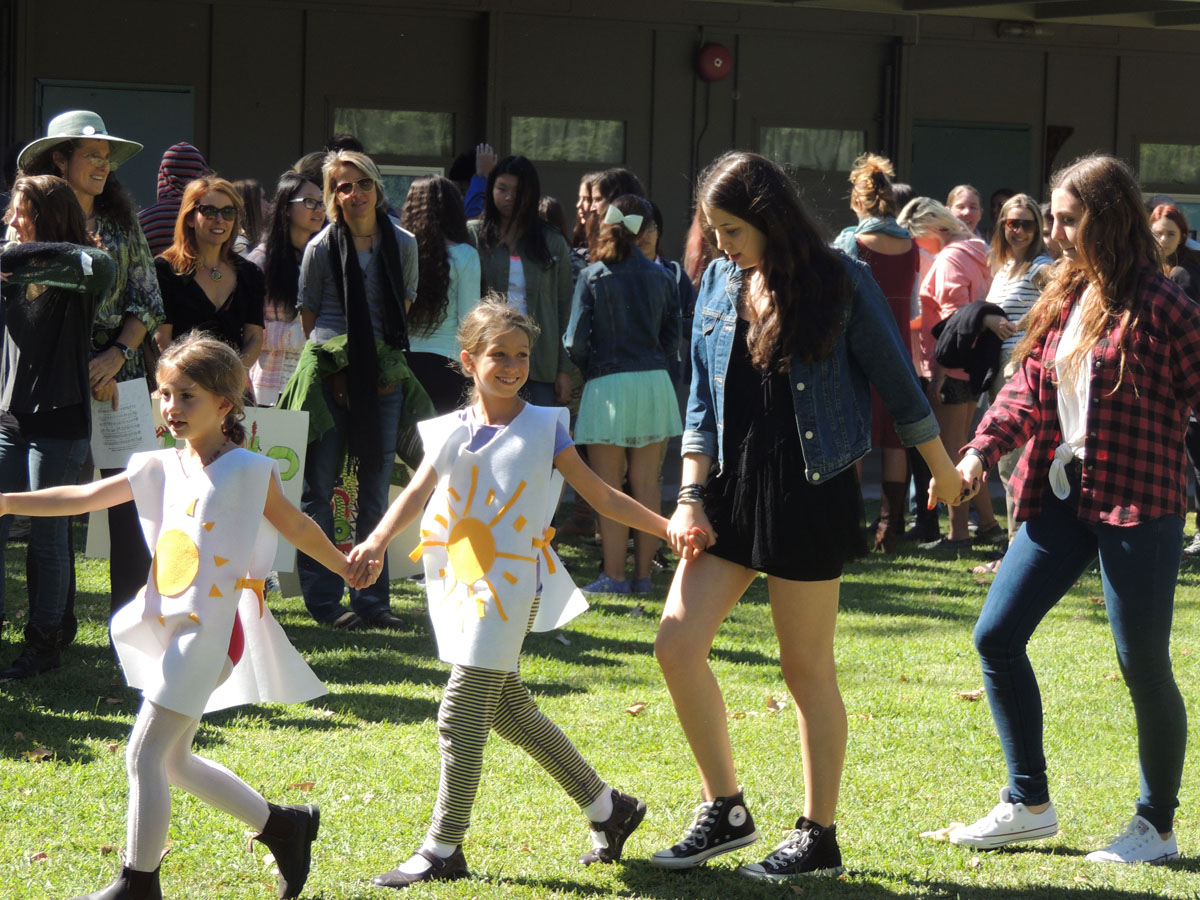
(1138, 843)
(1007, 823)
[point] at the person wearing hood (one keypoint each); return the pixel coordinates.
(959, 275)
(181, 164)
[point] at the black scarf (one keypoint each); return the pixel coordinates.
(363, 371)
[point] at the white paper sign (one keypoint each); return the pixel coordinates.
(119, 433)
(278, 433)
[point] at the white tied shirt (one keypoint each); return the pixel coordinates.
(1074, 396)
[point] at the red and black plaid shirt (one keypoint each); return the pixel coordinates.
(1133, 466)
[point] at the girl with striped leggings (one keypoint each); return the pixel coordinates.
(494, 471)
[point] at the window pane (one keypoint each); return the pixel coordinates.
(569, 140)
(822, 149)
(398, 132)
(1169, 163)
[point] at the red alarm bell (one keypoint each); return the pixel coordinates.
(714, 62)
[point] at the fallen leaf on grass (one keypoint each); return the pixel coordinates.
(774, 705)
(634, 708)
(19, 737)
(973, 862)
(106, 849)
(525, 848)
(1185, 652)
(866, 716)
(368, 797)
(904, 678)
(303, 785)
(1113, 676)
(25, 791)
(740, 714)
(638, 611)
(1099, 601)
(972, 696)
(1081, 878)
(564, 640)
(39, 856)
(113, 748)
(324, 713)
(941, 834)
(38, 754)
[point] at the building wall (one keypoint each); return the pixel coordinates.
(265, 77)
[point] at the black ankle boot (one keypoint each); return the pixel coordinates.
(40, 654)
(130, 885)
(288, 834)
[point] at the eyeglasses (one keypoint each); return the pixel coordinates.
(1020, 225)
(100, 162)
(365, 186)
(311, 203)
(228, 213)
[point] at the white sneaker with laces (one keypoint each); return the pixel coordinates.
(1139, 842)
(1007, 823)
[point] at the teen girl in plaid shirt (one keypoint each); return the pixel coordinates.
(1108, 369)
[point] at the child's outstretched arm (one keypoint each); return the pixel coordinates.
(68, 499)
(399, 516)
(605, 499)
(305, 535)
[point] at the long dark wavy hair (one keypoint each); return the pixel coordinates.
(282, 269)
(808, 283)
(434, 214)
(113, 203)
(52, 206)
(530, 228)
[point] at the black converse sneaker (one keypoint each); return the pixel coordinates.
(809, 849)
(719, 826)
(609, 836)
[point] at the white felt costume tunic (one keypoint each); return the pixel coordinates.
(198, 636)
(483, 532)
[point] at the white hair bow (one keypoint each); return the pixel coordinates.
(633, 221)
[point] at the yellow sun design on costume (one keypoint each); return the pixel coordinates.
(471, 545)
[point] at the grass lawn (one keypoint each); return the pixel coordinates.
(920, 756)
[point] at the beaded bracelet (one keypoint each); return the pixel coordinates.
(691, 494)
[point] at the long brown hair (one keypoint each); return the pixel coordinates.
(183, 250)
(808, 283)
(114, 201)
(870, 187)
(614, 241)
(1172, 212)
(433, 213)
(1000, 252)
(1113, 246)
(52, 207)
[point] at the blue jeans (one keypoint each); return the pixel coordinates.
(31, 462)
(1139, 565)
(321, 588)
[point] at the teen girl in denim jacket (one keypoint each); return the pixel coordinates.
(788, 339)
(1106, 374)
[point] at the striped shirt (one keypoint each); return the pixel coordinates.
(1016, 297)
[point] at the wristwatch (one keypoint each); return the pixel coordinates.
(127, 352)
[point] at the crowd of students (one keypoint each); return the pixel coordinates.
(509, 343)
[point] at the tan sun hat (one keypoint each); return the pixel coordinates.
(78, 124)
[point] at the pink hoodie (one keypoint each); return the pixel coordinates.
(959, 275)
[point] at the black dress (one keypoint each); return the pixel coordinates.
(767, 515)
(187, 307)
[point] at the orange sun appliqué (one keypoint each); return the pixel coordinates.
(471, 546)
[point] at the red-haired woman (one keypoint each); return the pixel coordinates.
(206, 286)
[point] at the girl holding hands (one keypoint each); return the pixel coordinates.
(198, 636)
(494, 471)
(1105, 376)
(789, 336)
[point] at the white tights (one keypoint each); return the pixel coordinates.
(159, 755)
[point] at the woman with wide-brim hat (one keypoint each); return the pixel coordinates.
(78, 148)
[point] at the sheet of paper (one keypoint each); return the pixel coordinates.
(128, 429)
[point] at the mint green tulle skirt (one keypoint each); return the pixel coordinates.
(628, 409)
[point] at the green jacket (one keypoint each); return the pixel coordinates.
(548, 293)
(319, 361)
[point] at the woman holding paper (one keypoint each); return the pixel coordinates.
(50, 294)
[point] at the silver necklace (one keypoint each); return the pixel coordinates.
(215, 273)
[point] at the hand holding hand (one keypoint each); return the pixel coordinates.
(689, 532)
(973, 476)
(364, 562)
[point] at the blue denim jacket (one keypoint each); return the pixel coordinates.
(832, 397)
(624, 317)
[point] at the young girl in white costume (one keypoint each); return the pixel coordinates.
(198, 637)
(495, 470)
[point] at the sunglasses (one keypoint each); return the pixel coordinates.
(365, 185)
(99, 162)
(310, 203)
(1020, 225)
(228, 213)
